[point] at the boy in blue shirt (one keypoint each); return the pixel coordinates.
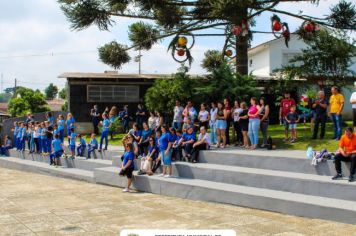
(71, 139)
(93, 145)
(21, 135)
(81, 147)
(57, 151)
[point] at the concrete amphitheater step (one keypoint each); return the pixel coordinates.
(84, 164)
(265, 199)
(44, 168)
(309, 184)
(291, 161)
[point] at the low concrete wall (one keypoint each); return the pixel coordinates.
(8, 124)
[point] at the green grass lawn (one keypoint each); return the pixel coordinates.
(304, 140)
(277, 133)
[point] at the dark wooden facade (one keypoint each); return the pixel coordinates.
(78, 91)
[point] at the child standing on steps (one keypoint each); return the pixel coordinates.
(293, 118)
(57, 151)
(71, 139)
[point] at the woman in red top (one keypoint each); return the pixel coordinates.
(228, 119)
(254, 122)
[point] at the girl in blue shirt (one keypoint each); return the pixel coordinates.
(50, 118)
(57, 151)
(16, 130)
(93, 145)
(43, 139)
(105, 131)
(70, 124)
(71, 139)
(165, 148)
(127, 165)
(145, 136)
(60, 123)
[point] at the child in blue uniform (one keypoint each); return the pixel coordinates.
(70, 124)
(22, 137)
(71, 139)
(16, 130)
(81, 147)
(105, 132)
(7, 145)
(43, 139)
(93, 145)
(57, 151)
(60, 123)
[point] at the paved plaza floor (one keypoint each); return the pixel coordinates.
(33, 204)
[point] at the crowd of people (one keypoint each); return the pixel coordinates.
(157, 144)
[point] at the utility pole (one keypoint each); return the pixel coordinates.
(15, 88)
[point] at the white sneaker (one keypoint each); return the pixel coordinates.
(167, 176)
(126, 190)
(161, 175)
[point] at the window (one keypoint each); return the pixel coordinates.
(113, 93)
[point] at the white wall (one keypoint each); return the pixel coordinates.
(260, 62)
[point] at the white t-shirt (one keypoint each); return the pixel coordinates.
(206, 137)
(213, 112)
(178, 114)
(203, 116)
(236, 114)
(152, 123)
(353, 97)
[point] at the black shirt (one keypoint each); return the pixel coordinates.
(320, 111)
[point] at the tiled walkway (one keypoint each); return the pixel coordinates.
(33, 204)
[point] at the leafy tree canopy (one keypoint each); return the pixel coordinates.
(184, 20)
(51, 91)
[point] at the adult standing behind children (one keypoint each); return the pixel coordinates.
(213, 112)
(105, 132)
(189, 112)
(284, 109)
(264, 115)
(95, 117)
(178, 115)
(336, 106)
(320, 107)
(347, 153)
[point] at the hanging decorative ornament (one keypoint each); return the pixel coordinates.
(182, 41)
(237, 30)
(286, 33)
(181, 52)
(310, 27)
(228, 53)
(242, 29)
(276, 23)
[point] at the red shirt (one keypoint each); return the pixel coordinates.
(285, 105)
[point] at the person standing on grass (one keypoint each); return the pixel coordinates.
(221, 125)
(105, 132)
(264, 116)
(347, 153)
(353, 104)
(284, 109)
(336, 102)
(236, 111)
(213, 112)
(227, 107)
(293, 118)
(320, 107)
(189, 112)
(203, 116)
(254, 122)
(127, 165)
(140, 114)
(178, 115)
(95, 116)
(165, 147)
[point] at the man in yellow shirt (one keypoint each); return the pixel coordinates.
(336, 106)
(347, 153)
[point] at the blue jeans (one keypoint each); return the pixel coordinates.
(104, 135)
(68, 134)
(177, 125)
(90, 150)
(43, 145)
(337, 121)
(80, 150)
(125, 124)
(61, 135)
(253, 128)
(214, 138)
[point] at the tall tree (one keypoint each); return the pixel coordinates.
(51, 91)
(185, 20)
(327, 59)
(27, 100)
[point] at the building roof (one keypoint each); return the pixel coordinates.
(112, 75)
(55, 104)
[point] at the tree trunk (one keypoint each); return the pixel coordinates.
(242, 48)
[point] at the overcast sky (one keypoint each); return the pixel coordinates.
(36, 43)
